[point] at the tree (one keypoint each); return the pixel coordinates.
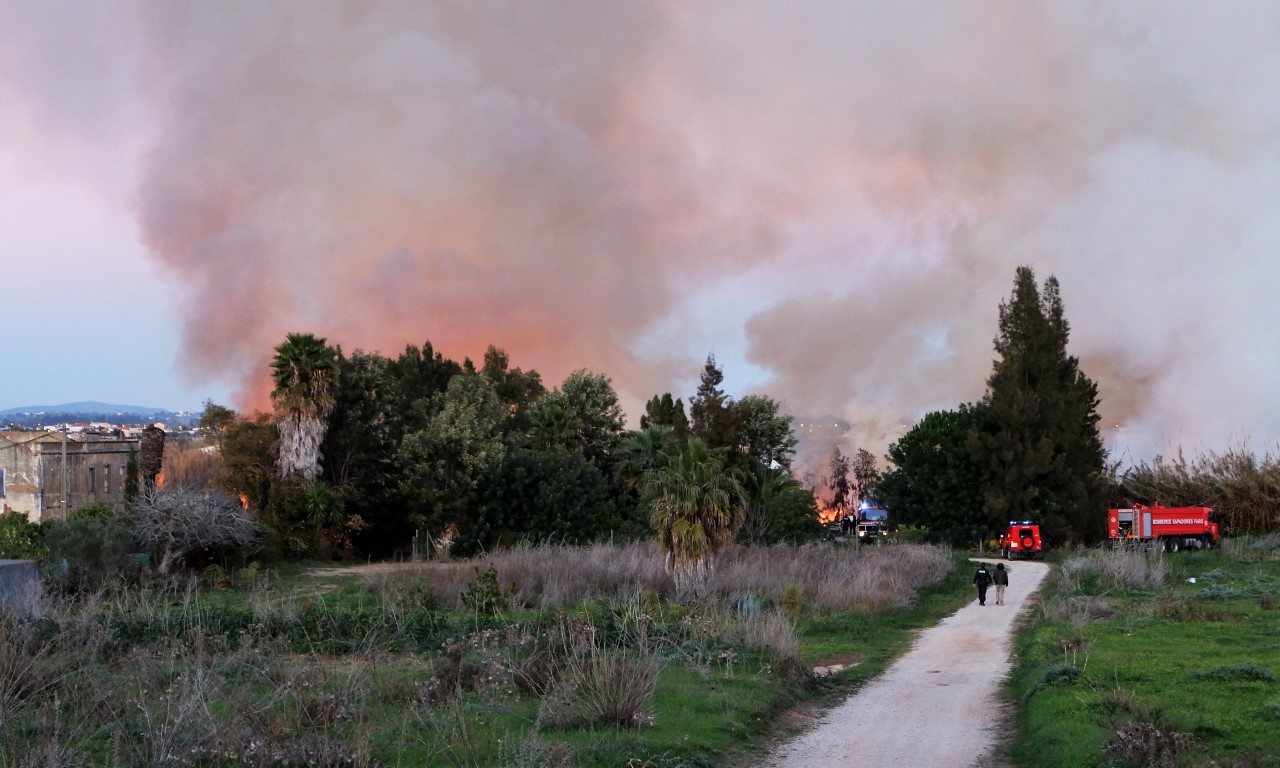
(764, 434)
(838, 481)
(778, 509)
(247, 459)
(179, 520)
(366, 427)
(151, 455)
(865, 476)
(215, 419)
(664, 411)
(711, 410)
(641, 452)
(519, 390)
(305, 371)
(697, 506)
(1039, 448)
(934, 483)
(538, 496)
(592, 417)
(442, 464)
(423, 376)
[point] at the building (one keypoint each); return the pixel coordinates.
(46, 474)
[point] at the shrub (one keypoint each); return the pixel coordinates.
(98, 551)
(1237, 673)
(19, 538)
(1058, 674)
(1145, 743)
(486, 595)
(602, 687)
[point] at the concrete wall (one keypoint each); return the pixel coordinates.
(19, 585)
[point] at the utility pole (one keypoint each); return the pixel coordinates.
(64, 474)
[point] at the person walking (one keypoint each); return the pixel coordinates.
(1001, 579)
(982, 580)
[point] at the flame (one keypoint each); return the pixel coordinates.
(160, 479)
(827, 514)
(244, 501)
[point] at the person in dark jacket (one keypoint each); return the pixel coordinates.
(982, 580)
(1001, 580)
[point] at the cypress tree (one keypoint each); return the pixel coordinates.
(1038, 445)
(711, 410)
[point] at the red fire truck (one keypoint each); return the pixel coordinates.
(1172, 528)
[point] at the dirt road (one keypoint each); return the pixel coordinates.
(937, 705)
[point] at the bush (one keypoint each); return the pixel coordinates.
(1237, 673)
(602, 687)
(98, 551)
(19, 538)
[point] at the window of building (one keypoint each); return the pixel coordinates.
(1, 481)
(93, 486)
(106, 478)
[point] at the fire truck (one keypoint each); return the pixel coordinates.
(1170, 528)
(872, 524)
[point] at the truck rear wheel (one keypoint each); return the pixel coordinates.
(1172, 545)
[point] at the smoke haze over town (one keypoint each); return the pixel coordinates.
(830, 197)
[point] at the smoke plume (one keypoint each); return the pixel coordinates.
(830, 196)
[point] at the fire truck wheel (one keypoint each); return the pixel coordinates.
(1005, 554)
(1172, 545)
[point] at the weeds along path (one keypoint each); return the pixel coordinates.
(937, 705)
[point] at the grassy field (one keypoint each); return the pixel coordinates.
(548, 656)
(1142, 659)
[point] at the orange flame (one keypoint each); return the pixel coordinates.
(244, 501)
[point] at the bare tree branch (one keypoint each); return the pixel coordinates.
(180, 519)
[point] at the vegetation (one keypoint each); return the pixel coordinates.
(1142, 659)
(1029, 450)
(543, 655)
(1243, 488)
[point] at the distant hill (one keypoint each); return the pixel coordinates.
(87, 408)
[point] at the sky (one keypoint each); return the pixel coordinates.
(830, 197)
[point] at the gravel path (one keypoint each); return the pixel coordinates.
(936, 706)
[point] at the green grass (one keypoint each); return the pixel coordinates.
(1199, 658)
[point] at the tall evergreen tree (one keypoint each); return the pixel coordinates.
(1038, 447)
(712, 411)
(665, 412)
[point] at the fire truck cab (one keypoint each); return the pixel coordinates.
(1021, 539)
(1169, 528)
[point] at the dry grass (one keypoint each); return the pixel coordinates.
(1115, 569)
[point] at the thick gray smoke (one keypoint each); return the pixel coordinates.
(831, 195)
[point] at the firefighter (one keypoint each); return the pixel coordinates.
(982, 580)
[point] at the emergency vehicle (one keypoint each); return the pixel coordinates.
(1170, 528)
(1021, 539)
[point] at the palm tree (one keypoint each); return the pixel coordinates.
(697, 505)
(305, 370)
(640, 452)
